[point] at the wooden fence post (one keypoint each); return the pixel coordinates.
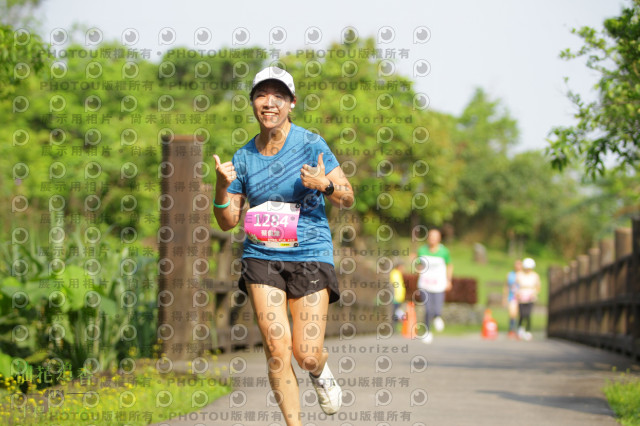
(584, 317)
(634, 287)
(555, 279)
(184, 209)
(623, 245)
(566, 280)
(606, 258)
(594, 268)
(622, 249)
(573, 290)
(623, 242)
(583, 273)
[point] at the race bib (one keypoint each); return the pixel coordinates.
(273, 224)
(433, 276)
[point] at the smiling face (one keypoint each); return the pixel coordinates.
(271, 104)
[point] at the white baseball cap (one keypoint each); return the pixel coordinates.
(528, 263)
(273, 73)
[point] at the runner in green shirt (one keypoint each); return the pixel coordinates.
(436, 271)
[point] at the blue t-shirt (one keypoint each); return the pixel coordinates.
(277, 178)
(512, 284)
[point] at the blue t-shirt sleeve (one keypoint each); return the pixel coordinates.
(238, 185)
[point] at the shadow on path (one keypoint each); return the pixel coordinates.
(591, 405)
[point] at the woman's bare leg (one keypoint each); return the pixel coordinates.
(270, 307)
(309, 316)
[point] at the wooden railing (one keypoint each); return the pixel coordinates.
(596, 299)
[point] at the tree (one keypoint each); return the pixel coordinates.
(484, 132)
(610, 125)
(21, 54)
(543, 210)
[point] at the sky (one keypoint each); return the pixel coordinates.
(510, 48)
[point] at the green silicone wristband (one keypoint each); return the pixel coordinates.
(222, 206)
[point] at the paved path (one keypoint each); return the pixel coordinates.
(453, 381)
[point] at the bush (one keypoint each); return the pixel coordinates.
(85, 304)
(624, 398)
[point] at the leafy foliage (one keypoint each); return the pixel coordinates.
(610, 125)
(21, 54)
(77, 302)
(484, 132)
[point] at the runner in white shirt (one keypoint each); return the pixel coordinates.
(436, 272)
(528, 289)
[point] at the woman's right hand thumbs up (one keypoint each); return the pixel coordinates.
(225, 173)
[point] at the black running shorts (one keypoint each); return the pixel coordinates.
(297, 279)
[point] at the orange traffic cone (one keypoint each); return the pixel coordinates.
(409, 323)
(489, 326)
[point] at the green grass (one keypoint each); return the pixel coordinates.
(623, 396)
(140, 398)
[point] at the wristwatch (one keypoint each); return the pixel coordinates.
(329, 189)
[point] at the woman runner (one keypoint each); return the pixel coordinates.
(285, 173)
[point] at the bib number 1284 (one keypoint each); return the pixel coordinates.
(271, 219)
(273, 224)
